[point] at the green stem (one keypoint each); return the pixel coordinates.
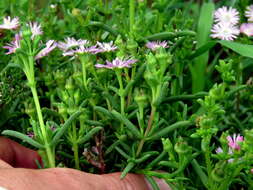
(131, 15)
(84, 75)
(121, 92)
(122, 97)
(75, 148)
(50, 154)
(29, 71)
(129, 97)
(208, 162)
(150, 122)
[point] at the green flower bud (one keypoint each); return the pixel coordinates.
(181, 147)
(64, 96)
(161, 54)
(119, 42)
(218, 173)
(167, 145)
(77, 96)
(26, 34)
(62, 109)
(205, 144)
(151, 61)
(76, 12)
(83, 117)
(31, 111)
(60, 77)
(132, 45)
(48, 78)
(77, 75)
(141, 98)
(69, 85)
(72, 110)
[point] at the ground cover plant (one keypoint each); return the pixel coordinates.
(161, 88)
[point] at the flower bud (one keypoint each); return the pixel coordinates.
(167, 145)
(76, 12)
(26, 34)
(64, 96)
(48, 78)
(60, 77)
(62, 109)
(77, 96)
(132, 45)
(69, 85)
(72, 110)
(181, 147)
(218, 173)
(140, 98)
(77, 75)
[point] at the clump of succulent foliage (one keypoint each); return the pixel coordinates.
(133, 86)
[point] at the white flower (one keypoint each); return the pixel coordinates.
(71, 43)
(53, 6)
(106, 47)
(225, 32)
(35, 29)
(10, 24)
(249, 13)
(225, 15)
(117, 63)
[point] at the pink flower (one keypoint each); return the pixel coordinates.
(219, 150)
(30, 134)
(14, 45)
(225, 15)
(154, 45)
(10, 24)
(35, 29)
(117, 63)
(50, 46)
(225, 32)
(247, 29)
(233, 142)
(249, 13)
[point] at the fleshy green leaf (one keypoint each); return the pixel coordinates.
(152, 183)
(169, 35)
(103, 110)
(89, 135)
(128, 123)
(23, 137)
(127, 169)
(125, 155)
(65, 127)
(164, 132)
(200, 172)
